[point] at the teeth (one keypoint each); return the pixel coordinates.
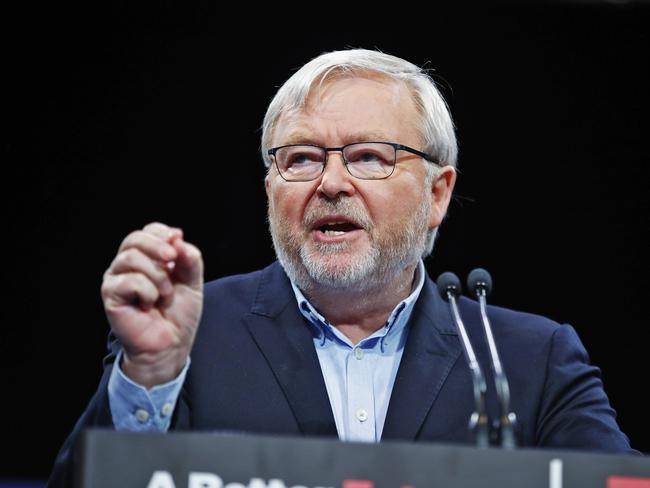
(333, 232)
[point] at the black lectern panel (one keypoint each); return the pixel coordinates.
(202, 460)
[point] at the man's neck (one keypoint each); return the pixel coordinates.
(359, 314)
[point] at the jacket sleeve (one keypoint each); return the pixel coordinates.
(575, 411)
(97, 414)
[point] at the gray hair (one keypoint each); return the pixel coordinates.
(436, 127)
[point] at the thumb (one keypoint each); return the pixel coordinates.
(188, 268)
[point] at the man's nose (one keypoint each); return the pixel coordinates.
(335, 178)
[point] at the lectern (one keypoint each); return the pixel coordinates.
(218, 460)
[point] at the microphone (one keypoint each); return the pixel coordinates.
(479, 283)
(449, 288)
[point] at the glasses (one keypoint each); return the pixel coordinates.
(364, 160)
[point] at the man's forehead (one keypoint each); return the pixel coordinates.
(297, 124)
(302, 135)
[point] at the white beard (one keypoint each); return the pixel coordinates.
(313, 265)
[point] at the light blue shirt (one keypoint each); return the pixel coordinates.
(359, 377)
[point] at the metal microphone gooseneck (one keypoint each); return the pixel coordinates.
(449, 288)
(479, 283)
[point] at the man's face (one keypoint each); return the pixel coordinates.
(339, 231)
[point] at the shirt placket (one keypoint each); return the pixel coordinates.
(360, 393)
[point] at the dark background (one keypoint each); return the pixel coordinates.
(117, 116)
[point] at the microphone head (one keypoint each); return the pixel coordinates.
(479, 279)
(448, 282)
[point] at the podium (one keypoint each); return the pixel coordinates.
(217, 460)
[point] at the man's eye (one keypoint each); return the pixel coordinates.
(367, 157)
(300, 159)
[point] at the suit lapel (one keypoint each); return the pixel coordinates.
(431, 350)
(286, 341)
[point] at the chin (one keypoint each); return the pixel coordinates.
(340, 268)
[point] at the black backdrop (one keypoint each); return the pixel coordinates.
(117, 117)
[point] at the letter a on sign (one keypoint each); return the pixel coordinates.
(161, 479)
(204, 480)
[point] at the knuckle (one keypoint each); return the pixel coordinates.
(156, 228)
(104, 289)
(196, 252)
(109, 284)
(130, 256)
(193, 251)
(107, 276)
(155, 224)
(131, 240)
(132, 236)
(120, 262)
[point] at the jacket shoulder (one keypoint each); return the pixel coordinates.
(264, 292)
(507, 321)
(243, 286)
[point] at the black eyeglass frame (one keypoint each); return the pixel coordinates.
(396, 147)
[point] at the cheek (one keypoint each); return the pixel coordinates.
(385, 205)
(288, 204)
(390, 209)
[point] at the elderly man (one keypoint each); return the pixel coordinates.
(345, 335)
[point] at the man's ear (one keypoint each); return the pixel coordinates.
(442, 187)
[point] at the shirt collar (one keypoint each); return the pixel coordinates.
(395, 324)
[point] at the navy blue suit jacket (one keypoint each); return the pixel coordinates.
(254, 369)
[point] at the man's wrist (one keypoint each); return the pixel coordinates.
(150, 370)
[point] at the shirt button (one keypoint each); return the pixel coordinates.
(358, 353)
(362, 415)
(167, 409)
(141, 415)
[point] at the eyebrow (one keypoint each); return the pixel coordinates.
(305, 138)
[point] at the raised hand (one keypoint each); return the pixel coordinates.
(153, 296)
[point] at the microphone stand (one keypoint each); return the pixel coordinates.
(449, 288)
(480, 282)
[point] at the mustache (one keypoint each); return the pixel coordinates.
(342, 206)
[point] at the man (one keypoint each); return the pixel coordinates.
(346, 335)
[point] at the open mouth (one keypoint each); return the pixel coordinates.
(333, 226)
(337, 228)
